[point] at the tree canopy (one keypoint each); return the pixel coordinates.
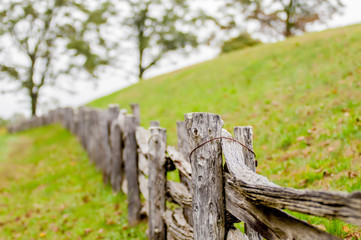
(286, 17)
(45, 40)
(159, 27)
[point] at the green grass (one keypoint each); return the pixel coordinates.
(49, 190)
(302, 96)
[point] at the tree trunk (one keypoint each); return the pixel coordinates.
(289, 25)
(34, 103)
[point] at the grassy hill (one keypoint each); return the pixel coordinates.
(302, 96)
(48, 190)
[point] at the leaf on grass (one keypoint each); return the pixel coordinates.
(42, 234)
(86, 199)
(87, 231)
(346, 229)
(352, 174)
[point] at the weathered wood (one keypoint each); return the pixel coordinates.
(154, 124)
(117, 144)
(271, 223)
(157, 182)
(184, 149)
(111, 115)
(343, 206)
(105, 154)
(236, 234)
(143, 186)
(245, 135)
(131, 168)
(90, 121)
(179, 194)
(207, 176)
(143, 164)
(125, 184)
(142, 136)
(180, 162)
(116, 154)
(177, 226)
(136, 112)
(117, 163)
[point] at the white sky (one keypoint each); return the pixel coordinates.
(113, 80)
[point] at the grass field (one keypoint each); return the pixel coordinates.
(302, 96)
(48, 190)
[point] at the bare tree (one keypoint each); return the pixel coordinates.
(287, 17)
(43, 40)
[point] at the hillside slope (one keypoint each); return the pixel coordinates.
(302, 96)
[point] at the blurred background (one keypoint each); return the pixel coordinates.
(100, 53)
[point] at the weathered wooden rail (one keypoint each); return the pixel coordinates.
(211, 196)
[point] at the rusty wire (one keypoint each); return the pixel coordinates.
(234, 140)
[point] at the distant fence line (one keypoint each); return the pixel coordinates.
(210, 197)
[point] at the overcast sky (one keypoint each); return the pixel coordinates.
(114, 80)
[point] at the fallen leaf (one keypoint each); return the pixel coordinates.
(352, 174)
(42, 234)
(85, 199)
(87, 231)
(116, 206)
(110, 222)
(301, 138)
(346, 229)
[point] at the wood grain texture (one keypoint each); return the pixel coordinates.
(179, 194)
(236, 234)
(143, 187)
(245, 136)
(105, 145)
(177, 226)
(184, 149)
(269, 222)
(136, 112)
(143, 164)
(142, 136)
(157, 182)
(117, 145)
(131, 168)
(207, 176)
(180, 162)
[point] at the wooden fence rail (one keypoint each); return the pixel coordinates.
(211, 196)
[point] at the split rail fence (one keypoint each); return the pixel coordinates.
(211, 195)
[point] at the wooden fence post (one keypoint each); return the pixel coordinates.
(184, 149)
(131, 168)
(117, 146)
(157, 182)
(245, 135)
(207, 176)
(154, 124)
(109, 116)
(136, 112)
